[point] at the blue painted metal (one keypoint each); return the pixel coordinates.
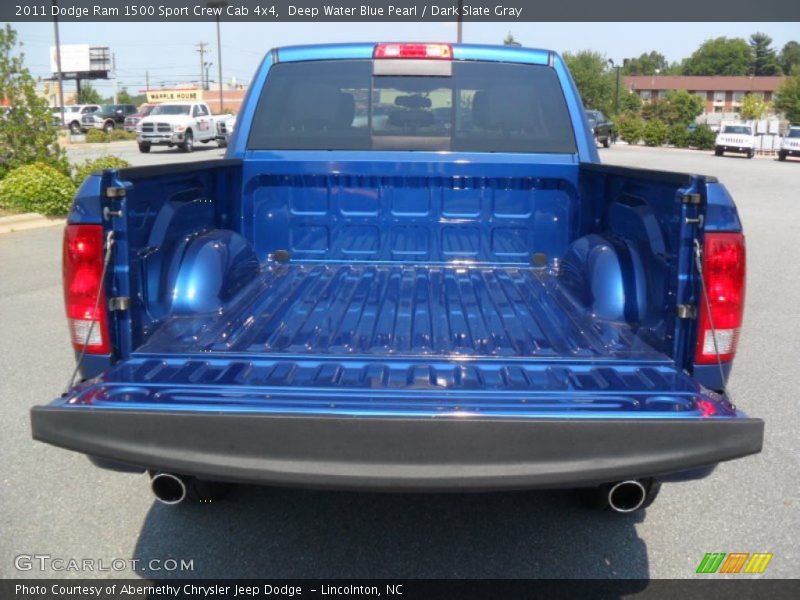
(403, 310)
(721, 213)
(409, 289)
(365, 207)
(441, 389)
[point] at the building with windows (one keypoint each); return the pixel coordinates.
(721, 94)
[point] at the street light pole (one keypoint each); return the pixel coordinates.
(616, 89)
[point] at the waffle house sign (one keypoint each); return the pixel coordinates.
(156, 96)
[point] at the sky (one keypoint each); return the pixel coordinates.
(167, 50)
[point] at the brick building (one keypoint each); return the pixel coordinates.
(722, 94)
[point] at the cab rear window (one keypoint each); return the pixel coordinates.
(481, 107)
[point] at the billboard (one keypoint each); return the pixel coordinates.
(78, 59)
(74, 58)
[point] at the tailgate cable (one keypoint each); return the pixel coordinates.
(106, 260)
(698, 259)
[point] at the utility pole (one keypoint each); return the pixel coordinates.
(58, 64)
(201, 48)
(219, 64)
(460, 22)
(220, 4)
(147, 80)
(114, 74)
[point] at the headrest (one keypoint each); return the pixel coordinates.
(509, 108)
(414, 101)
(314, 106)
(411, 118)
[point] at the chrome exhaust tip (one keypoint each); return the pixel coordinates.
(626, 496)
(168, 488)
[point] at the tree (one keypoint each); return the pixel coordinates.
(594, 79)
(790, 56)
(27, 133)
(754, 106)
(630, 102)
(123, 97)
(684, 107)
(765, 62)
(720, 56)
(646, 64)
(787, 99)
(630, 128)
(657, 109)
(510, 40)
(89, 95)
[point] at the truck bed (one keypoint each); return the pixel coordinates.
(404, 310)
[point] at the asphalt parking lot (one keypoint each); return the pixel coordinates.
(54, 502)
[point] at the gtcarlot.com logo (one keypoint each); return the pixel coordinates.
(734, 562)
(48, 563)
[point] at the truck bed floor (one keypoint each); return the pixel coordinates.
(403, 310)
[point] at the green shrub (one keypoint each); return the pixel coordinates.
(96, 135)
(702, 138)
(630, 127)
(37, 188)
(655, 133)
(86, 168)
(679, 136)
(117, 135)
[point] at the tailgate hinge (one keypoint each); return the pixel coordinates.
(119, 303)
(686, 311)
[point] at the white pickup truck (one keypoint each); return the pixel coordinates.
(737, 137)
(790, 146)
(181, 124)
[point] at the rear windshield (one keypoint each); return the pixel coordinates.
(742, 129)
(482, 107)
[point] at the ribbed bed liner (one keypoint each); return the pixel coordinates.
(404, 310)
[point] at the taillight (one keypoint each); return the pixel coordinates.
(723, 273)
(428, 51)
(82, 263)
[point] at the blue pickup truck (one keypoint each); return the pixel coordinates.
(409, 273)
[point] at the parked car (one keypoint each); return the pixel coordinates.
(602, 128)
(108, 117)
(790, 145)
(738, 138)
(73, 116)
(132, 120)
(180, 124)
(406, 305)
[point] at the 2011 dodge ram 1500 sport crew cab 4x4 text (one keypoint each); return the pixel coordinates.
(456, 296)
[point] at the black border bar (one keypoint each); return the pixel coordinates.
(700, 587)
(471, 11)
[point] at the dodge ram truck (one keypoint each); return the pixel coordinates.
(181, 124)
(457, 296)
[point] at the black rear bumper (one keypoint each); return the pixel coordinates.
(422, 454)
